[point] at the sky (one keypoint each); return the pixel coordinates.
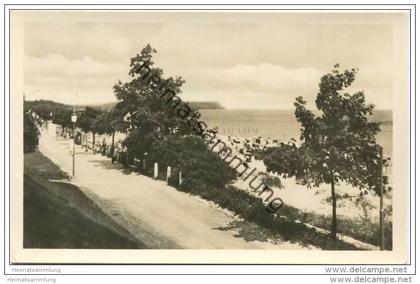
(241, 60)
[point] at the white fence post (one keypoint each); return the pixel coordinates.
(168, 174)
(156, 170)
(180, 177)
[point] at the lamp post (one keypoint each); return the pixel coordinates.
(74, 119)
(383, 173)
(381, 201)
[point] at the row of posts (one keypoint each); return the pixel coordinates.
(168, 172)
(155, 168)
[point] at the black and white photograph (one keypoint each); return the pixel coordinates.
(210, 136)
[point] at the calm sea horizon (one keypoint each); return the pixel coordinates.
(279, 124)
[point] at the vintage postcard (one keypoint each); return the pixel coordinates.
(210, 136)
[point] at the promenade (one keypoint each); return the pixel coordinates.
(153, 212)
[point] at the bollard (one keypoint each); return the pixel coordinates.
(136, 164)
(144, 164)
(168, 174)
(156, 170)
(180, 177)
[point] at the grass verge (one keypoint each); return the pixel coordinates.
(361, 230)
(252, 209)
(59, 215)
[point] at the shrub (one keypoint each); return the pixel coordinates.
(271, 181)
(199, 165)
(30, 133)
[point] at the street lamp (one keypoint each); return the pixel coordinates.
(381, 202)
(74, 119)
(383, 166)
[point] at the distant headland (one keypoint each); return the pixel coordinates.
(208, 105)
(196, 105)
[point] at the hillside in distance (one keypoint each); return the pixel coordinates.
(53, 106)
(196, 105)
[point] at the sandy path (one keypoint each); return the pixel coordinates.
(153, 212)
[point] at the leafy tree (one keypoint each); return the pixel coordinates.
(159, 123)
(88, 122)
(30, 133)
(150, 105)
(337, 145)
(109, 122)
(62, 117)
(46, 110)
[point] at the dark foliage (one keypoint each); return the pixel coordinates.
(88, 121)
(150, 104)
(30, 133)
(200, 165)
(337, 145)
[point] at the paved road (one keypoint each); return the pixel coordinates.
(157, 214)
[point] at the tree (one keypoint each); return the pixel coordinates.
(46, 110)
(30, 133)
(113, 121)
(150, 106)
(337, 145)
(62, 117)
(88, 122)
(109, 122)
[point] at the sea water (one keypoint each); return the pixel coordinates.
(279, 124)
